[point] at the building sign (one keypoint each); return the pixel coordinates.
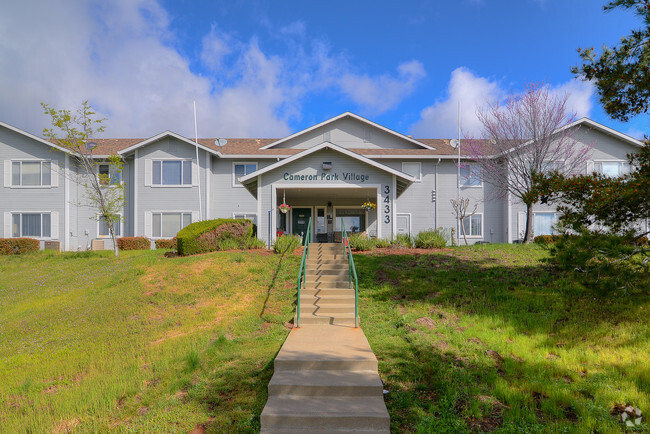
(323, 176)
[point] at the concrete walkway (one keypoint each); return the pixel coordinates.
(325, 380)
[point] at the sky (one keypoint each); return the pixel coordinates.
(272, 68)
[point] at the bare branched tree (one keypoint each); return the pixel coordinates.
(104, 193)
(529, 133)
(460, 209)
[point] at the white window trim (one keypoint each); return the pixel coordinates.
(236, 184)
(460, 232)
(234, 214)
(556, 216)
(51, 213)
(419, 177)
(190, 185)
(121, 173)
(121, 234)
(469, 168)
(32, 160)
(611, 161)
(194, 218)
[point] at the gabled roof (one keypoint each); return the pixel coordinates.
(33, 137)
(162, 136)
(403, 179)
(603, 129)
(353, 116)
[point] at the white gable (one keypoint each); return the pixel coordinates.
(348, 131)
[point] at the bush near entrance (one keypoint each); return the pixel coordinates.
(166, 243)
(212, 235)
(17, 246)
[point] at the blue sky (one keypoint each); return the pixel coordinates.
(270, 68)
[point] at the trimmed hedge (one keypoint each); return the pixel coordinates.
(18, 246)
(133, 243)
(211, 235)
(166, 243)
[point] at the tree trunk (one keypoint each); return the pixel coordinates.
(530, 229)
(462, 227)
(112, 231)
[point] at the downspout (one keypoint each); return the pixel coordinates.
(435, 203)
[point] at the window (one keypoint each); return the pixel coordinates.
(172, 172)
(473, 225)
(31, 225)
(103, 231)
(31, 173)
(551, 166)
(612, 169)
(470, 175)
(242, 169)
(167, 225)
(249, 216)
(543, 223)
(110, 174)
(413, 169)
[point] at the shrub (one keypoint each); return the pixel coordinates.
(430, 240)
(382, 242)
(547, 239)
(133, 243)
(402, 240)
(287, 243)
(210, 235)
(18, 246)
(166, 243)
(254, 243)
(641, 241)
(361, 242)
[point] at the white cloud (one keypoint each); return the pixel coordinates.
(441, 118)
(377, 95)
(122, 57)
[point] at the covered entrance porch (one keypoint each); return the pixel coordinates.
(330, 208)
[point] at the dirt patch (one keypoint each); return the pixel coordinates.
(475, 341)
(143, 410)
(441, 345)
(66, 426)
(426, 321)
(552, 356)
(382, 277)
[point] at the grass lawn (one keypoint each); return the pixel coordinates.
(142, 343)
(487, 338)
(468, 339)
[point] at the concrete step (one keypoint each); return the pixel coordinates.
(326, 277)
(326, 309)
(334, 266)
(329, 413)
(342, 272)
(324, 291)
(310, 299)
(317, 284)
(326, 383)
(338, 319)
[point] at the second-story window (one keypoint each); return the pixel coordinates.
(31, 173)
(612, 169)
(470, 175)
(172, 172)
(109, 175)
(242, 169)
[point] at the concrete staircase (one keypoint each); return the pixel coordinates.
(327, 298)
(325, 378)
(325, 381)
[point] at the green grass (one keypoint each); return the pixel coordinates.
(142, 343)
(488, 338)
(468, 339)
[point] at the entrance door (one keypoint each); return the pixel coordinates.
(404, 224)
(301, 221)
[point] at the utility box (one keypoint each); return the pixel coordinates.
(97, 245)
(52, 245)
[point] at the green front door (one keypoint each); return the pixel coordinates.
(301, 221)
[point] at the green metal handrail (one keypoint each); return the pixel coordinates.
(352, 272)
(303, 270)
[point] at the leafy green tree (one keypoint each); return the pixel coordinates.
(621, 73)
(73, 131)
